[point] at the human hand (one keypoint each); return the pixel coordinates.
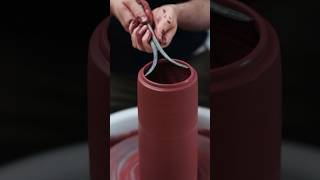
(165, 21)
(127, 11)
(166, 24)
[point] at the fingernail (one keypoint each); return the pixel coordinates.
(144, 19)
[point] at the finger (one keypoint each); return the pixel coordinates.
(133, 36)
(136, 10)
(149, 15)
(133, 24)
(146, 42)
(139, 36)
(131, 27)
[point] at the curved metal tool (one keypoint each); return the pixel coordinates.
(155, 58)
(157, 47)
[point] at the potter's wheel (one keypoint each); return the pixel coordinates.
(71, 163)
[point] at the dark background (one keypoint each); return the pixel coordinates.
(43, 54)
(297, 24)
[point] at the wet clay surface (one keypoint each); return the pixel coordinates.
(124, 159)
(167, 109)
(167, 73)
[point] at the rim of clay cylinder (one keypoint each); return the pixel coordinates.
(251, 66)
(192, 78)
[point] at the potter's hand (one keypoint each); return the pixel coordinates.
(165, 23)
(140, 37)
(165, 20)
(127, 11)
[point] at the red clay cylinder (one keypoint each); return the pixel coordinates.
(167, 108)
(246, 98)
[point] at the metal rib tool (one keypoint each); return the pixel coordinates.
(157, 47)
(155, 58)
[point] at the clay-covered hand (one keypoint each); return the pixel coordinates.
(140, 37)
(126, 11)
(165, 27)
(166, 24)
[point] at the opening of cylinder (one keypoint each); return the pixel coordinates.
(168, 73)
(232, 40)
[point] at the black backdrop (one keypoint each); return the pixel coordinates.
(297, 23)
(43, 54)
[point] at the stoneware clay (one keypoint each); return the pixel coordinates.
(167, 106)
(168, 145)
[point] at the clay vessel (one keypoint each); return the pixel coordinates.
(246, 98)
(167, 109)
